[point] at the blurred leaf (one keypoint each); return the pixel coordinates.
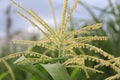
(74, 72)
(33, 70)
(3, 75)
(90, 11)
(9, 69)
(112, 7)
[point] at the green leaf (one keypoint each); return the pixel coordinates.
(3, 75)
(74, 72)
(33, 70)
(57, 71)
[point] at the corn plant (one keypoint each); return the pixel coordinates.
(59, 47)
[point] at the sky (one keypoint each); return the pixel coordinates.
(43, 9)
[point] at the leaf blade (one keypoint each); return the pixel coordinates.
(57, 71)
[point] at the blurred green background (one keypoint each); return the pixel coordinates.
(108, 14)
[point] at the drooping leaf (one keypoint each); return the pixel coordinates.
(33, 70)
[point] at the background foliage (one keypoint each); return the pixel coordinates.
(111, 29)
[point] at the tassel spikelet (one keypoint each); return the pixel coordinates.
(92, 27)
(60, 44)
(63, 16)
(36, 18)
(116, 76)
(91, 38)
(24, 53)
(41, 21)
(70, 13)
(86, 68)
(53, 14)
(77, 61)
(87, 28)
(98, 50)
(32, 60)
(101, 61)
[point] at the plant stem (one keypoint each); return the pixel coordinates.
(59, 52)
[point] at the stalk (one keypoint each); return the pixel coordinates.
(59, 52)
